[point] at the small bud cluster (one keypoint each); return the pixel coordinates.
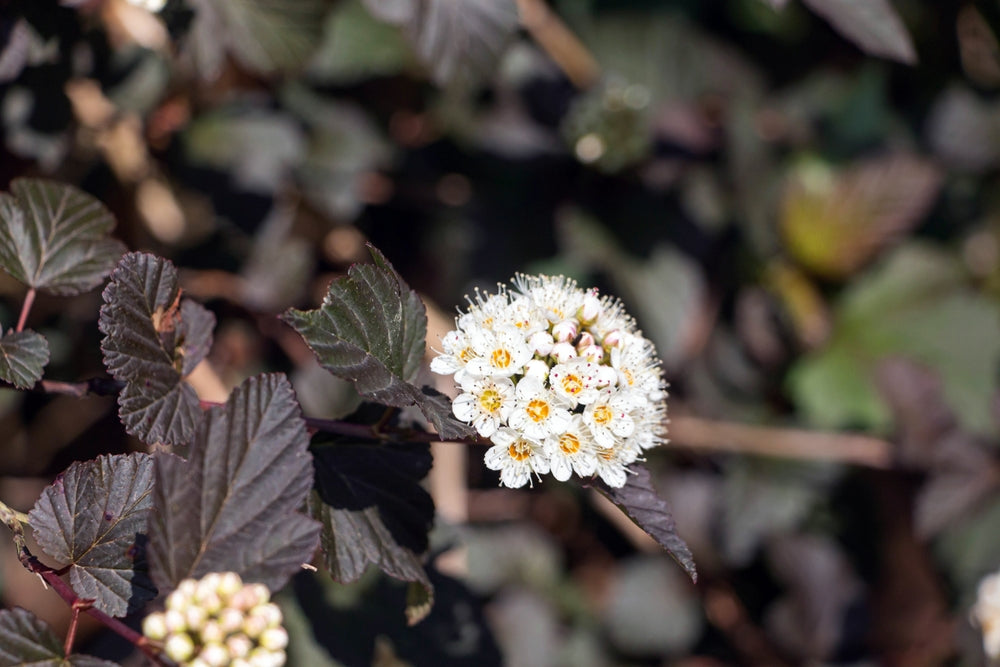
(986, 614)
(219, 621)
(559, 378)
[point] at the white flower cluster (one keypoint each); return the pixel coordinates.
(558, 378)
(986, 614)
(219, 621)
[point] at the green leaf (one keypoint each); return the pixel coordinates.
(461, 40)
(374, 511)
(264, 36)
(54, 237)
(370, 330)
(357, 46)
(873, 25)
(28, 641)
(91, 518)
(639, 501)
(232, 506)
(152, 339)
(24, 355)
(916, 305)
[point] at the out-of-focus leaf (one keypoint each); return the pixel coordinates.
(652, 610)
(54, 237)
(23, 355)
(396, 12)
(343, 145)
(374, 511)
(461, 40)
(638, 499)
(667, 56)
(802, 301)
(248, 473)
(962, 470)
(260, 147)
(964, 130)
(915, 304)
(370, 330)
(517, 555)
(873, 25)
(91, 518)
(968, 548)
(28, 641)
(978, 47)
(763, 498)
(152, 339)
(265, 36)
(833, 223)
(811, 619)
(357, 46)
(16, 38)
(527, 628)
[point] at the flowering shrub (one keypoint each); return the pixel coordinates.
(218, 620)
(558, 378)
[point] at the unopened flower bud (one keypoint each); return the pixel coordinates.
(154, 626)
(239, 646)
(174, 620)
(215, 655)
(177, 601)
(563, 352)
(195, 617)
(261, 657)
(230, 620)
(212, 632)
(253, 626)
(613, 338)
(197, 662)
(565, 331)
(274, 639)
(271, 614)
(591, 308)
(606, 376)
(185, 590)
(207, 586)
(229, 584)
(593, 353)
(240, 662)
(536, 368)
(541, 343)
(179, 648)
(586, 340)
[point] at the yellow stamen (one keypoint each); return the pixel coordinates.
(490, 400)
(603, 415)
(569, 443)
(572, 385)
(519, 450)
(537, 410)
(500, 358)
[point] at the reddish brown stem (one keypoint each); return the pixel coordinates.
(78, 606)
(29, 300)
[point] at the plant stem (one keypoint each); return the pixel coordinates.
(29, 301)
(78, 606)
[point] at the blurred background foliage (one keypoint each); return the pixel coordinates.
(797, 200)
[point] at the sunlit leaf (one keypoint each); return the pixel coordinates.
(834, 222)
(233, 505)
(374, 510)
(152, 338)
(92, 518)
(460, 39)
(23, 355)
(370, 330)
(28, 641)
(639, 500)
(54, 237)
(916, 305)
(873, 25)
(263, 35)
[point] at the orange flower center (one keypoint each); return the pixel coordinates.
(572, 385)
(569, 443)
(500, 358)
(490, 400)
(537, 410)
(519, 450)
(602, 415)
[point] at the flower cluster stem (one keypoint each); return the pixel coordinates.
(29, 301)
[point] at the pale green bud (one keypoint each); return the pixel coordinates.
(230, 620)
(197, 662)
(229, 584)
(214, 655)
(175, 621)
(212, 631)
(195, 617)
(179, 648)
(177, 601)
(186, 588)
(208, 585)
(239, 646)
(154, 626)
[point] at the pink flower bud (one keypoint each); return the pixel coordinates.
(536, 368)
(541, 343)
(563, 352)
(565, 331)
(586, 340)
(593, 353)
(613, 338)
(591, 308)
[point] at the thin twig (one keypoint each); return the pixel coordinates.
(565, 49)
(29, 300)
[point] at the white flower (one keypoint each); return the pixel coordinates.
(575, 380)
(487, 311)
(486, 403)
(986, 614)
(538, 412)
(516, 457)
(457, 353)
(557, 297)
(612, 464)
(608, 418)
(572, 451)
(501, 352)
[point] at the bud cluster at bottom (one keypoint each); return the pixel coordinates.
(219, 621)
